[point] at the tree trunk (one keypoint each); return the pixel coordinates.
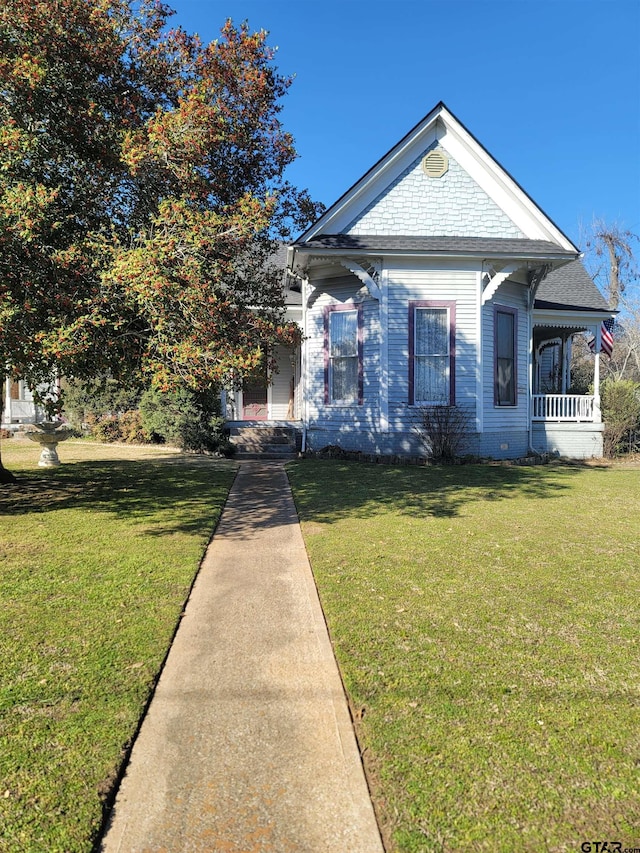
(614, 271)
(5, 476)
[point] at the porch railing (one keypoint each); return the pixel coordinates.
(563, 407)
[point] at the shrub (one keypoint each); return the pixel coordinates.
(443, 431)
(620, 400)
(106, 429)
(126, 428)
(188, 419)
(88, 402)
(132, 429)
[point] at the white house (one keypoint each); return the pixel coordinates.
(18, 407)
(435, 280)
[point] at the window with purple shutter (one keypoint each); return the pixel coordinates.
(505, 324)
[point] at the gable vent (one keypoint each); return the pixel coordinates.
(435, 164)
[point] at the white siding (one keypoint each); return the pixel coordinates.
(360, 426)
(438, 284)
(575, 441)
(506, 418)
(345, 421)
(280, 389)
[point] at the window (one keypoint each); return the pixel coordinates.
(432, 353)
(343, 355)
(505, 366)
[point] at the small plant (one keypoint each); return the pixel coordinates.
(443, 431)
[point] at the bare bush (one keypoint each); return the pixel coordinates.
(443, 431)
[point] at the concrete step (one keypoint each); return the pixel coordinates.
(262, 442)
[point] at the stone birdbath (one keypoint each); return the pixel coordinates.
(48, 434)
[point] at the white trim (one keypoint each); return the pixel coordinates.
(364, 191)
(362, 275)
(441, 126)
(479, 356)
(383, 309)
(501, 188)
(569, 319)
(497, 279)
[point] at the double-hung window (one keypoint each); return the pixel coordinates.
(343, 355)
(505, 323)
(432, 353)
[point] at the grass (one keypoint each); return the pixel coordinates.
(97, 558)
(486, 623)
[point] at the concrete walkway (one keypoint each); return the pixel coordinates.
(248, 743)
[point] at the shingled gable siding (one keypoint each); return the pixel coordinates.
(417, 205)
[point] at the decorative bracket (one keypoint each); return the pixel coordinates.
(496, 280)
(368, 276)
(535, 278)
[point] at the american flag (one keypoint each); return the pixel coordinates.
(606, 338)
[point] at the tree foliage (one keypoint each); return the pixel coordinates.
(142, 191)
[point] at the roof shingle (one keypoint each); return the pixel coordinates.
(568, 287)
(474, 246)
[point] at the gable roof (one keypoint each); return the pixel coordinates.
(570, 288)
(440, 127)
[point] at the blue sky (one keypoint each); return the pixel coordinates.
(550, 87)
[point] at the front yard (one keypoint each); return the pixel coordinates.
(486, 620)
(96, 561)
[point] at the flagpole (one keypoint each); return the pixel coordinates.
(597, 413)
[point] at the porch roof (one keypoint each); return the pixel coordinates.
(570, 288)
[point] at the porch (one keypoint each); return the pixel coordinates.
(18, 406)
(568, 425)
(565, 408)
(564, 422)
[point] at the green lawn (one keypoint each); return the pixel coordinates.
(96, 561)
(486, 621)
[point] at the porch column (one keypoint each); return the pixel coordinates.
(565, 366)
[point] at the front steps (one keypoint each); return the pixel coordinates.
(265, 440)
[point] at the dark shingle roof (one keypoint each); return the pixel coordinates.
(470, 246)
(568, 287)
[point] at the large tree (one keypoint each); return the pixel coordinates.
(611, 258)
(612, 262)
(142, 191)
